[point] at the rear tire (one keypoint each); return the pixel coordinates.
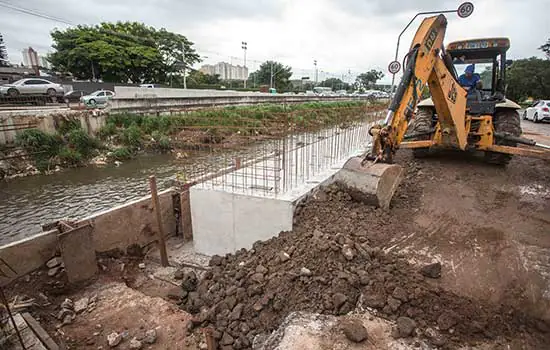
(535, 118)
(524, 115)
(51, 92)
(422, 123)
(504, 121)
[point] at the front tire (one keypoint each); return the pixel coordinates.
(504, 121)
(92, 102)
(421, 124)
(13, 93)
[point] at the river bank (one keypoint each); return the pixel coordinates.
(125, 136)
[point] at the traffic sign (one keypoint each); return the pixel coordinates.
(465, 9)
(394, 67)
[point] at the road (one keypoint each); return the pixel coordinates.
(539, 132)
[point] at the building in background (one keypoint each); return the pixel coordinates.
(226, 71)
(30, 57)
(44, 62)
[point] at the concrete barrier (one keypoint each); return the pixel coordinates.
(168, 105)
(118, 227)
(139, 92)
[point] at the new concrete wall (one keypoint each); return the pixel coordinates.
(225, 222)
(118, 227)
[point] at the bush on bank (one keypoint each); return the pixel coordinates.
(126, 134)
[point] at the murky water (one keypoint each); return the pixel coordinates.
(29, 202)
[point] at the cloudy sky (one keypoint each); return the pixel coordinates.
(342, 35)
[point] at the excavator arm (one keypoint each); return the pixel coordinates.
(425, 64)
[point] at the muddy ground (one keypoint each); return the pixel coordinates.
(489, 228)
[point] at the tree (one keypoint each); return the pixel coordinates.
(281, 75)
(335, 84)
(368, 79)
(546, 48)
(121, 52)
(3, 53)
(197, 78)
(528, 78)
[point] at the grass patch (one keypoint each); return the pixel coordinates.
(122, 153)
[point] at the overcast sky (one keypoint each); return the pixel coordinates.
(342, 35)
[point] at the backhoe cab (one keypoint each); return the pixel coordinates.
(489, 58)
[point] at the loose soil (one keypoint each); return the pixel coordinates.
(488, 227)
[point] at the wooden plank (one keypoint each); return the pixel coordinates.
(40, 332)
(156, 208)
(78, 253)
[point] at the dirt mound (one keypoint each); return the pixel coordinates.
(318, 270)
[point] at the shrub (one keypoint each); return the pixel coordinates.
(34, 140)
(66, 125)
(109, 129)
(69, 156)
(83, 143)
(164, 143)
(122, 153)
(132, 136)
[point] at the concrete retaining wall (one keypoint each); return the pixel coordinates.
(169, 105)
(131, 223)
(118, 227)
(139, 92)
(15, 122)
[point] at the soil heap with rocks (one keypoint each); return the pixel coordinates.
(249, 293)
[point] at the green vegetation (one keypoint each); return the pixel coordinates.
(129, 133)
(528, 78)
(122, 51)
(47, 151)
(122, 153)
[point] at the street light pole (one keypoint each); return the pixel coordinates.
(245, 47)
(316, 73)
(184, 65)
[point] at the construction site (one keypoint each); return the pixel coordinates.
(403, 224)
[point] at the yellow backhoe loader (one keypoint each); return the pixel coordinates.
(479, 119)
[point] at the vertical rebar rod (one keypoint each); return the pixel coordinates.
(7, 305)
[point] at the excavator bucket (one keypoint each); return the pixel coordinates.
(371, 183)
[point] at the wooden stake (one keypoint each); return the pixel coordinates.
(156, 208)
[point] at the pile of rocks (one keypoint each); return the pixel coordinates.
(248, 294)
(149, 337)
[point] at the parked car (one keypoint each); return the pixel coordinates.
(31, 86)
(97, 97)
(539, 111)
(74, 95)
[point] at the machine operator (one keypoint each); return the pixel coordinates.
(469, 79)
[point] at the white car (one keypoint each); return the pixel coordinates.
(97, 97)
(32, 86)
(538, 112)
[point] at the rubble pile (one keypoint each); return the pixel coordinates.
(249, 293)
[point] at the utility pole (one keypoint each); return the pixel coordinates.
(245, 47)
(184, 65)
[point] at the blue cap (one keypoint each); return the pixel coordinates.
(470, 68)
